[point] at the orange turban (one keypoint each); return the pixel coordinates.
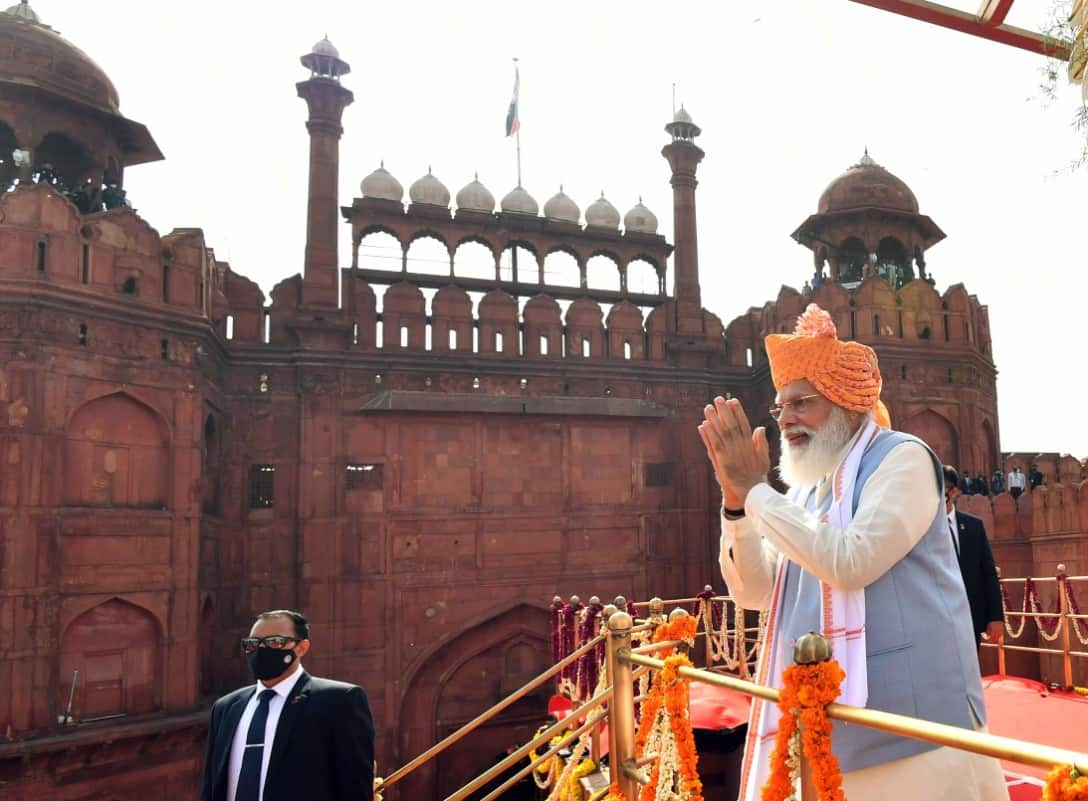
(846, 373)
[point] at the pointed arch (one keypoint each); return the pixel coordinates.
(117, 453)
(437, 686)
(115, 647)
(937, 431)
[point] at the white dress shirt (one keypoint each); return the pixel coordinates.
(238, 747)
(894, 513)
(953, 525)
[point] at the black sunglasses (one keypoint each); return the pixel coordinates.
(276, 641)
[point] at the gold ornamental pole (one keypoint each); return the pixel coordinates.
(1066, 622)
(621, 709)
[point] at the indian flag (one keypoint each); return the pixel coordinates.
(512, 121)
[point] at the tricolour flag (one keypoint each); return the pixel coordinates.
(512, 121)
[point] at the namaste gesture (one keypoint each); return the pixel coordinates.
(740, 456)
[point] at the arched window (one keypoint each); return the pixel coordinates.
(429, 256)
(892, 263)
(380, 251)
(643, 278)
(852, 259)
(62, 161)
(8, 145)
(602, 272)
(519, 264)
(474, 260)
(561, 269)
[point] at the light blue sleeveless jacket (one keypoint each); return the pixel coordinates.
(918, 638)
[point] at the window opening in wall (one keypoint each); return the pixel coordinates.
(657, 474)
(967, 330)
(453, 339)
(266, 317)
(949, 375)
(543, 344)
(230, 326)
(498, 342)
(379, 334)
(876, 325)
(85, 264)
(900, 324)
(627, 349)
(41, 257)
(355, 334)
(83, 335)
(853, 325)
(404, 336)
(748, 357)
(903, 372)
(129, 286)
(585, 347)
(166, 283)
(262, 481)
(476, 383)
(164, 349)
(947, 335)
(362, 477)
(200, 295)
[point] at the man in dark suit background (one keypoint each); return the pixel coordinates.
(976, 564)
(291, 736)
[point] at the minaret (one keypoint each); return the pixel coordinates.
(326, 100)
(684, 157)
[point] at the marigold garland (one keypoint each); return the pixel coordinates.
(666, 708)
(1065, 783)
(807, 691)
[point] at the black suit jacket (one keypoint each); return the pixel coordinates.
(323, 749)
(979, 574)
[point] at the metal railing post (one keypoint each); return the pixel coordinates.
(809, 649)
(1065, 621)
(621, 709)
(595, 736)
(1004, 617)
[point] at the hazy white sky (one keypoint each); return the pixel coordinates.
(787, 93)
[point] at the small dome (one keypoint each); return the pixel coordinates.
(682, 115)
(430, 191)
(602, 214)
(476, 197)
(640, 219)
(562, 208)
(381, 184)
(325, 48)
(520, 202)
(867, 185)
(24, 11)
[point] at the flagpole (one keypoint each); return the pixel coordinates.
(517, 133)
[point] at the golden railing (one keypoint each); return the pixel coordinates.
(615, 698)
(1068, 622)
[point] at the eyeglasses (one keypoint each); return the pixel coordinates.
(276, 642)
(798, 405)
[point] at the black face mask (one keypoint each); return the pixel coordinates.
(268, 663)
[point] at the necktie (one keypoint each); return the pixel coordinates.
(249, 780)
(955, 539)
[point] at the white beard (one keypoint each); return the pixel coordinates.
(804, 465)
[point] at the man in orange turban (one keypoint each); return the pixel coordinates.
(859, 549)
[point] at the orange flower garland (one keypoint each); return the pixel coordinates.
(1066, 783)
(808, 690)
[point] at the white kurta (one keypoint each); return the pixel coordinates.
(893, 514)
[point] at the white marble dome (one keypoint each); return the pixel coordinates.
(520, 202)
(476, 197)
(640, 219)
(429, 191)
(682, 115)
(382, 184)
(561, 207)
(602, 214)
(325, 48)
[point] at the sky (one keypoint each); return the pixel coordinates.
(788, 94)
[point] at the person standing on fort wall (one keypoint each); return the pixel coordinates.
(291, 736)
(860, 542)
